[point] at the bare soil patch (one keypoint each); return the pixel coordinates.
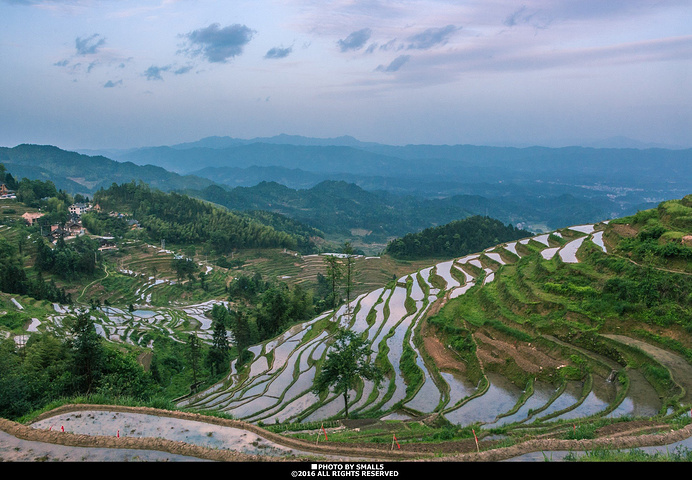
(526, 356)
(444, 358)
(624, 230)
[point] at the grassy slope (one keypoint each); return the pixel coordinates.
(641, 292)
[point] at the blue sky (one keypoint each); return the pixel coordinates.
(119, 73)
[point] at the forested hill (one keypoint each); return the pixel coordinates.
(84, 174)
(182, 220)
(341, 208)
(456, 239)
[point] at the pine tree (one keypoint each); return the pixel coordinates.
(194, 353)
(350, 273)
(334, 275)
(89, 355)
(217, 357)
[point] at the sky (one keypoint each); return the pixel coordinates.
(97, 74)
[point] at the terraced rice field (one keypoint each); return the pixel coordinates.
(276, 387)
(124, 326)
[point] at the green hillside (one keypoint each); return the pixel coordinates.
(182, 220)
(76, 173)
(373, 218)
(455, 239)
(635, 286)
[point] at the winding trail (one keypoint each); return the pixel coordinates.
(105, 269)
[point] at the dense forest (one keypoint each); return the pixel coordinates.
(179, 219)
(49, 368)
(14, 278)
(455, 239)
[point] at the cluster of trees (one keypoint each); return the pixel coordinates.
(458, 238)
(53, 203)
(303, 234)
(263, 309)
(7, 178)
(14, 278)
(49, 368)
(30, 192)
(183, 220)
(100, 223)
(68, 261)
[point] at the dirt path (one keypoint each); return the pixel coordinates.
(344, 452)
(617, 436)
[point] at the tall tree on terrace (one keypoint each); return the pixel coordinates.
(334, 275)
(350, 266)
(89, 355)
(218, 355)
(347, 362)
(194, 353)
(242, 335)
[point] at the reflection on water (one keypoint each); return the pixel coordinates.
(459, 387)
(567, 398)
(542, 392)
(642, 400)
(427, 398)
(600, 397)
(501, 396)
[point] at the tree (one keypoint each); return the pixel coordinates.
(350, 273)
(89, 354)
(194, 353)
(346, 363)
(217, 357)
(242, 334)
(333, 275)
(183, 267)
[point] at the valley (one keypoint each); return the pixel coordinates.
(519, 339)
(382, 238)
(511, 341)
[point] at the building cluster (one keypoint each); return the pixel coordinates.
(71, 228)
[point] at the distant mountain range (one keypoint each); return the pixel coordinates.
(629, 175)
(342, 185)
(346, 156)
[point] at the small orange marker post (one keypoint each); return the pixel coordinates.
(476, 438)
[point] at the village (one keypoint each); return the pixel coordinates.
(73, 226)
